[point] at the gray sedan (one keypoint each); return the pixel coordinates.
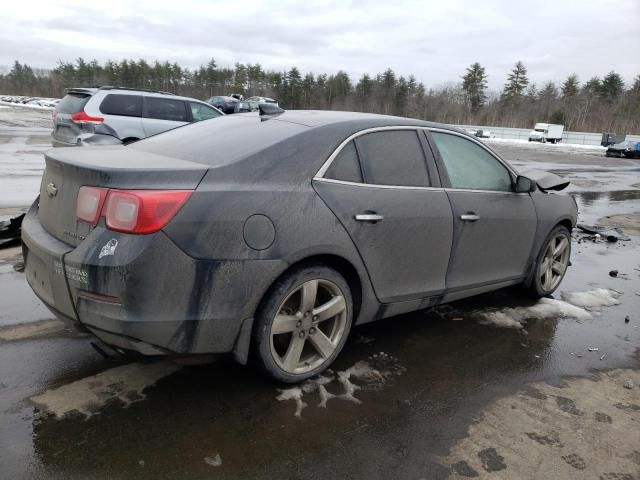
(278, 233)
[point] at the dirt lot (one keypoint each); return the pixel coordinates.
(491, 387)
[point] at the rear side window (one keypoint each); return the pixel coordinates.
(393, 157)
(200, 112)
(166, 109)
(346, 166)
(123, 105)
(72, 102)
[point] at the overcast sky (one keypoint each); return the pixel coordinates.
(434, 40)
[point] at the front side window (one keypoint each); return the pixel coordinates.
(393, 157)
(201, 112)
(124, 105)
(470, 166)
(165, 109)
(346, 166)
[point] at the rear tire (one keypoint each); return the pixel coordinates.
(303, 323)
(552, 262)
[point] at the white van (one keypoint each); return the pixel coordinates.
(546, 132)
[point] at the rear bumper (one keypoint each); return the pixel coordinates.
(87, 139)
(148, 296)
(58, 142)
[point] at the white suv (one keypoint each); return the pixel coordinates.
(113, 115)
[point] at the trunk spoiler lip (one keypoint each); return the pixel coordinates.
(547, 180)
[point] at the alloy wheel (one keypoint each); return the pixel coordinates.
(554, 263)
(308, 326)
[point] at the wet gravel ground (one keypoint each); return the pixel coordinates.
(433, 394)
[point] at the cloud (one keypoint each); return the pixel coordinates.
(435, 41)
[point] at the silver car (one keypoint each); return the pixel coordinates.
(255, 102)
(112, 115)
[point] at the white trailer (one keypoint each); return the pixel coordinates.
(546, 132)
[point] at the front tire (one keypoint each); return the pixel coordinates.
(552, 263)
(303, 323)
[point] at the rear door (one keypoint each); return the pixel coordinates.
(162, 114)
(494, 227)
(122, 114)
(379, 186)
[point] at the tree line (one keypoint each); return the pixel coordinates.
(598, 104)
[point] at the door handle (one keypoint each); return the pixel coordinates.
(469, 217)
(369, 217)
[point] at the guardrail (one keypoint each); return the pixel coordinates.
(579, 138)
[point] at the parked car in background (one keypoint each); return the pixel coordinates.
(627, 149)
(242, 107)
(483, 133)
(223, 103)
(609, 138)
(546, 132)
(254, 102)
(30, 101)
(279, 232)
(113, 115)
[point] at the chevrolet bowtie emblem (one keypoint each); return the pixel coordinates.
(52, 190)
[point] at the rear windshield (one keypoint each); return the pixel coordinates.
(73, 102)
(219, 141)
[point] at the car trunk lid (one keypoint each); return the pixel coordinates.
(68, 169)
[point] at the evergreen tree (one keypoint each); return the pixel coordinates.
(474, 84)
(517, 82)
(612, 86)
(294, 83)
(401, 97)
(570, 86)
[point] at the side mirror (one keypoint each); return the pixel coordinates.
(524, 185)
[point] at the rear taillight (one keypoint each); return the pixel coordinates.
(131, 211)
(89, 204)
(83, 117)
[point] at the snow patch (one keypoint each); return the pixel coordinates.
(547, 146)
(371, 375)
(578, 305)
(89, 394)
(594, 299)
(214, 460)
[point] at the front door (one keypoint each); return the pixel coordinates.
(162, 114)
(494, 227)
(379, 188)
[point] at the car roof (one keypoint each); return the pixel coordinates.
(320, 118)
(291, 146)
(134, 91)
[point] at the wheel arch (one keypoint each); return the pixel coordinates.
(340, 264)
(564, 222)
(343, 266)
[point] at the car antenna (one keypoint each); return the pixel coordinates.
(268, 110)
